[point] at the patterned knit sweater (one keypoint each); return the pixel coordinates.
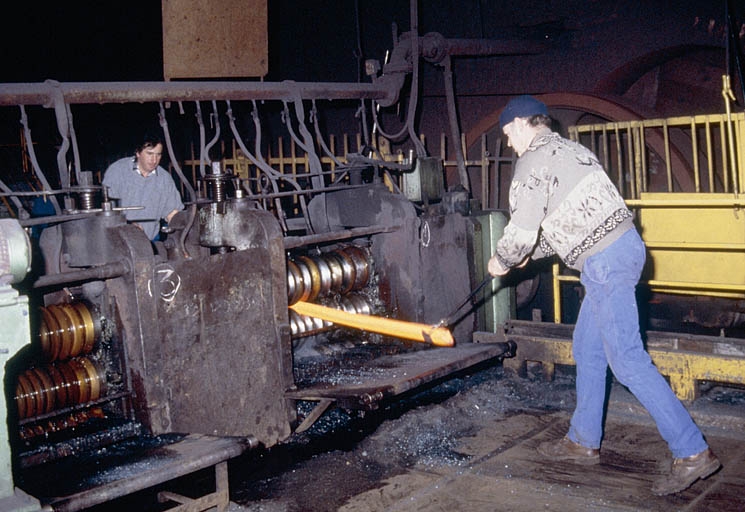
(561, 202)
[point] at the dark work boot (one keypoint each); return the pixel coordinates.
(566, 449)
(686, 471)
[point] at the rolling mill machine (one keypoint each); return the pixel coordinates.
(200, 345)
(280, 291)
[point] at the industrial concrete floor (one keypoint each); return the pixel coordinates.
(469, 445)
(505, 473)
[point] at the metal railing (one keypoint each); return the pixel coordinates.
(683, 176)
(702, 153)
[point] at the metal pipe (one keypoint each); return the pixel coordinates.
(729, 96)
(292, 242)
(202, 141)
(434, 47)
(34, 161)
(494, 47)
(216, 123)
(107, 271)
(169, 146)
(454, 128)
(6, 191)
(63, 127)
(556, 285)
(141, 92)
(270, 172)
(653, 283)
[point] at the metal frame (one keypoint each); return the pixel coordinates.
(191, 454)
(684, 359)
(731, 175)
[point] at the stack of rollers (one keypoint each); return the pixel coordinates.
(67, 377)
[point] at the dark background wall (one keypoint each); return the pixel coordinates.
(655, 58)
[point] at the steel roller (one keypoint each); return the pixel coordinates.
(68, 330)
(340, 271)
(55, 386)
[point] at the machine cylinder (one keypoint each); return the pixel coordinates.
(68, 330)
(51, 387)
(336, 272)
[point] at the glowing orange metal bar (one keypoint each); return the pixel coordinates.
(439, 336)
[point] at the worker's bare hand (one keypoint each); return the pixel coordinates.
(496, 268)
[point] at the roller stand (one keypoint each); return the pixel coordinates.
(15, 258)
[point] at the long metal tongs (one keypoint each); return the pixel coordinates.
(452, 317)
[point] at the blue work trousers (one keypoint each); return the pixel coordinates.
(607, 333)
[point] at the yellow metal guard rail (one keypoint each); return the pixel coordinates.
(684, 177)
